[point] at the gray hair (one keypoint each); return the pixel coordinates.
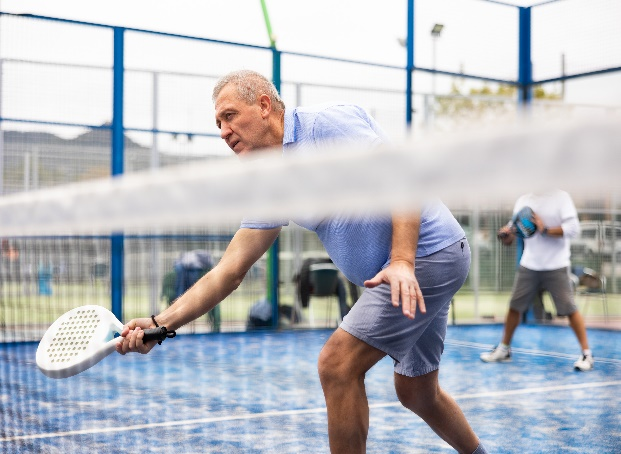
(250, 85)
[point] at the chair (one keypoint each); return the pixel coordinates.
(324, 279)
(590, 285)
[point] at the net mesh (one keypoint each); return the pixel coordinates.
(494, 166)
(57, 253)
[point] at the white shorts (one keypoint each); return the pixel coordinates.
(415, 345)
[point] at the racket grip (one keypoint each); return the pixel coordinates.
(158, 334)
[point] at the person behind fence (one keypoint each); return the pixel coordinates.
(545, 264)
(187, 270)
(412, 265)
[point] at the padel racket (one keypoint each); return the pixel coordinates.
(523, 224)
(81, 338)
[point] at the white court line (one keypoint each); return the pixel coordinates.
(270, 414)
(188, 422)
(530, 351)
(518, 392)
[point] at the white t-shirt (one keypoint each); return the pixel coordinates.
(555, 208)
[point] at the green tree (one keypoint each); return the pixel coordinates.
(480, 103)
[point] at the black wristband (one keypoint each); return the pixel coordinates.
(544, 231)
(166, 333)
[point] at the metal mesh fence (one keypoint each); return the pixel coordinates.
(573, 37)
(465, 45)
(56, 109)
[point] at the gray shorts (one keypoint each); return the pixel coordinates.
(415, 345)
(528, 283)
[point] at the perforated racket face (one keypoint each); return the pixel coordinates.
(73, 335)
(76, 341)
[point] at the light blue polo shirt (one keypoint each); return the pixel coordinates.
(360, 247)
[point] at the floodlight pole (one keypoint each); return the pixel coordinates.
(436, 31)
(434, 40)
(156, 244)
(563, 74)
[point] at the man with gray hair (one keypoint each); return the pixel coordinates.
(411, 264)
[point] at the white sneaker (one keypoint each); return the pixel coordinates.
(584, 363)
(498, 354)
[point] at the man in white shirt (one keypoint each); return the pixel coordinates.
(545, 265)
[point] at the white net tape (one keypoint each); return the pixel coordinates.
(462, 169)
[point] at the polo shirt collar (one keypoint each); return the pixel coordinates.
(289, 133)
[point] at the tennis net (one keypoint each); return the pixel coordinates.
(58, 244)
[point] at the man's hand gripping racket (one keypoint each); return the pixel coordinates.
(81, 338)
(524, 224)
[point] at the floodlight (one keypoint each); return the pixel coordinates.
(436, 30)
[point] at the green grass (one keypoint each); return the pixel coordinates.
(18, 309)
(493, 306)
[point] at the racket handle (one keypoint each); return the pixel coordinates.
(158, 334)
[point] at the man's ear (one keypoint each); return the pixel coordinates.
(266, 105)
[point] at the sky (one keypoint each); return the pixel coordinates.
(479, 38)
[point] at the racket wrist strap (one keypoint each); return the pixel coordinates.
(168, 333)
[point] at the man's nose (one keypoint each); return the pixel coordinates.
(225, 131)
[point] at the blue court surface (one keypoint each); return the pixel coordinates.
(260, 393)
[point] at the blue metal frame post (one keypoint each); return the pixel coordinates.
(525, 93)
(118, 154)
(409, 107)
(525, 67)
(273, 268)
